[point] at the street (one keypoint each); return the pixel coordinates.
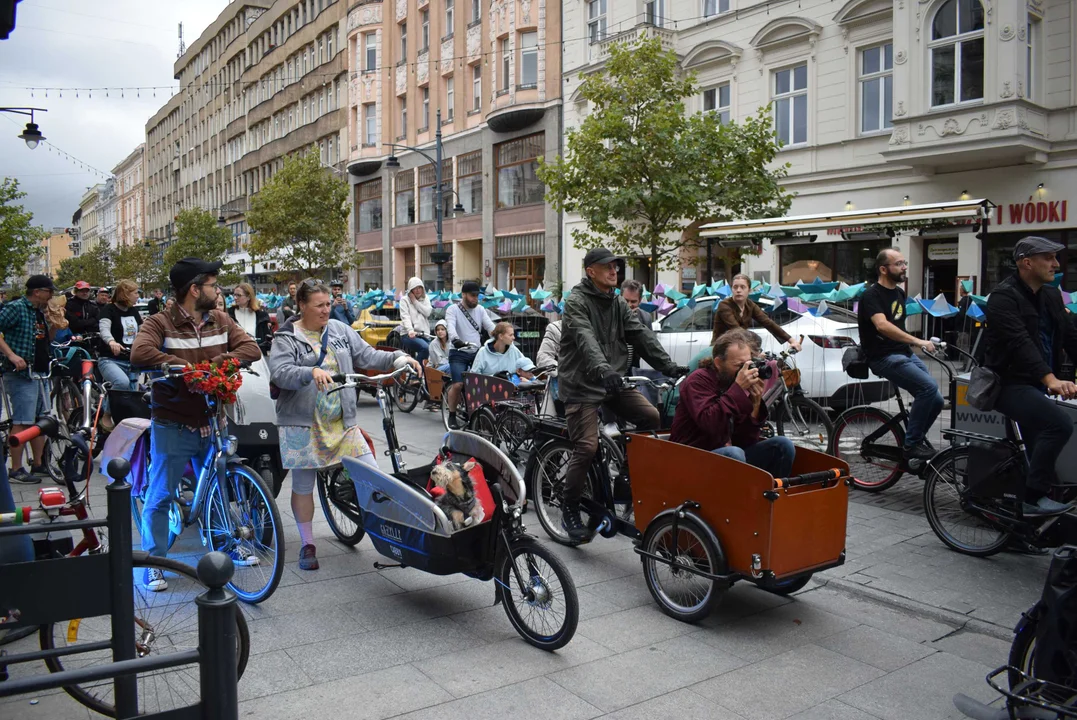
(892, 634)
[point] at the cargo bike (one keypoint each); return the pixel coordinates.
(701, 522)
(399, 513)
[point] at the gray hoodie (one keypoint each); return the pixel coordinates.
(291, 368)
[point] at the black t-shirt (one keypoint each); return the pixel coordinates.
(123, 324)
(41, 343)
(891, 303)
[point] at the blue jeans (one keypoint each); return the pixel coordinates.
(18, 548)
(1046, 429)
(910, 374)
(117, 372)
(460, 362)
(417, 347)
(774, 455)
(171, 446)
(29, 398)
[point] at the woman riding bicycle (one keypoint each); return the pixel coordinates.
(119, 324)
(737, 311)
(439, 348)
(500, 354)
(317, 428)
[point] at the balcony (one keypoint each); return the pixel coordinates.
(970, 138)
(600, 51)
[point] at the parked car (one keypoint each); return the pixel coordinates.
(687, 330)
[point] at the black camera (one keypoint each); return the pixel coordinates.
(766, 372)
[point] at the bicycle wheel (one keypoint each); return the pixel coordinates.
(67, 399)
(545, 482)
(679, 592)
(461, 414)
(165, 623)
(514, 432)
(945, 495)
(805, 423)
(872, 474)
(484, 424)
(247, 528)
(337, 496)
(1023, 647)
(786, 587)
(406, 394)
(539, 596)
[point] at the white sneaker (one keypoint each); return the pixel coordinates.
(243, 557)
(155, 580)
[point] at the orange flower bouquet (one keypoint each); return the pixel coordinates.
(220, 379)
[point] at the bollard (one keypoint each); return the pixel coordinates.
(217, 639)
(122, 590)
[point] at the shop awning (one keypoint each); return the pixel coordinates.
(898, 218)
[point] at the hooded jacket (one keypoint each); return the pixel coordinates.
(291, 368)
(82, 315)
(595, 331)
(490, 362)
(1014, 333)
(415, 314)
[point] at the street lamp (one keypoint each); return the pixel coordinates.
(31, 135)
(440, 257)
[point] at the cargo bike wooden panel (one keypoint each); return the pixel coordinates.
(792, 530)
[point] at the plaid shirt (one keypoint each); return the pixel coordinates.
(17, 326)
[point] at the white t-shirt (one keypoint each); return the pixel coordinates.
(248, 320)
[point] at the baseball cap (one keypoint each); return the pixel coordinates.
(469, 286)
(599, 255)
(189, 268)
(39, 282)
(1034, 245)
(82, 285)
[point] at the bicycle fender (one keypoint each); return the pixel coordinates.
(702, 524)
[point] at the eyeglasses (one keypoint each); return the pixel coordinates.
(209, 285)
(903, 263)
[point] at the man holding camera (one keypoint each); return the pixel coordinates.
(721, 409)
(341, 310)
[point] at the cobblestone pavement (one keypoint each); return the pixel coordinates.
(892, 634)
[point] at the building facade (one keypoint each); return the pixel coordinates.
(492, 72)
(89, 222)
(264, 80)
(130, 193)
(56, 247)
(879, 104)
(107, 201)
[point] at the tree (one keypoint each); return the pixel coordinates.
(91, 266)
(299, 219)
(639, 170)
(198, 235)
(20, 239)
(136, 262)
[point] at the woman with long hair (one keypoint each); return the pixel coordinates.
(249, 313)
(119, 324)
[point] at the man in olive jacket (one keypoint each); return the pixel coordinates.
(596, 328)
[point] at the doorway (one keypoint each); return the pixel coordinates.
(940, 276)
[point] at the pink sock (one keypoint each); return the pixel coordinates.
(306, 532)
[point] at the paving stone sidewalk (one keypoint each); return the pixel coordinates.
(892, 634)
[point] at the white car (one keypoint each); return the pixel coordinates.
(686, 332)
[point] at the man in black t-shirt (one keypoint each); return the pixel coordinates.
(881, 317)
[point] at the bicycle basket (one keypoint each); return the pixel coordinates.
(995, 470)
(791, 376)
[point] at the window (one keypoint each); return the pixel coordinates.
(428, 192)
(469, 168)
(403, 43)
(791, 105)
(405, 197)
(876, 88)
(448, 18)
(403, 116)
(957, 53)
(596, 20)
(370, 270)
(370, 42)
(714, 7)
(476, 10)
(329, 45)
(476, 87)
(321, 50)
(368, 199)
(425, 44)
(655, 12)
(848, 262)
(426, 109)
(506, 60)
(716, 100)
(529, 59)
(450, 97)
(517, 163)
(370, 117)
(1031, 61)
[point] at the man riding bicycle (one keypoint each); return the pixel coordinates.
(596, 328)
(1027, 330)
(190, 331)
(881, 318)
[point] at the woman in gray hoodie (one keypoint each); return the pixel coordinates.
(318, 428)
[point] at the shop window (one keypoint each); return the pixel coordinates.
(791, 105)
(405, 197)
(517, 166)
(370, 266)
(368, 199)
(521, 262)
(876, 88)
(957, 53)
(469, 168)
(849, 262)
(998, 261)
(428, 270)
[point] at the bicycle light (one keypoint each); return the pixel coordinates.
(231, 445)
(51, 500)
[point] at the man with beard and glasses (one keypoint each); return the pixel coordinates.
(888, 349)
(190, 331)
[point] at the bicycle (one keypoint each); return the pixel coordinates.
(164, 622)
(508, 422)
(238, 516)
(56, 442)
(408, 392)
(791, 413)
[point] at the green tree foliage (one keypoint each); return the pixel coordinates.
(299, 219)
(91, 266)
(137, 262)
(198, 235)
(639, 170)
(20, 239)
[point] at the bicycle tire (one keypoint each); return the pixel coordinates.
(98, 696)
(544, 480)
(1023, 648)
(338, 506)
(544, 587)
(808, 424)
(938, 517)
(848, 439)
(261, 536)
(484, 424)
(406, 394)
(699, 553)
(461, 413)
(514, 431)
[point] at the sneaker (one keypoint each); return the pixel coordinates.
(243, 557)
(572, 524)
(452, 421)
(39, 471)
(1045, 506)
(154, 580)
(922, 451)
(307, 559)
(21, 477)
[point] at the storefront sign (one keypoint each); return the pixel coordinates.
(1032, 213)
(942, 251)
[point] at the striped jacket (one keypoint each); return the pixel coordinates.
(175, 338)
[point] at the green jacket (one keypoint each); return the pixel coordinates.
(596, 328)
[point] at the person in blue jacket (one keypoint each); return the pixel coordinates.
(499, 354)
(341, 309)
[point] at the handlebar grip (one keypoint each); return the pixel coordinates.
(808, 478)
(45, 425)
(340, 378)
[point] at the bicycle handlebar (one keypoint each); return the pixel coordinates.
(46, 425)
(350, 379)
(808, 478)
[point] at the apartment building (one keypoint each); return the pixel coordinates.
(130, 197)
(88, 224)
(264, 80)
(107, 202)
(880, 104)
(493, 72)
(56, 247)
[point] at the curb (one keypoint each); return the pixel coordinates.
(946, 617)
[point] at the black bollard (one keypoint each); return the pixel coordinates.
(217, 639)
(122, 591)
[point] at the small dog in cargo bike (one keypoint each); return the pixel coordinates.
(458, 499)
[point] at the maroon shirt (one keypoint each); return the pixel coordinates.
(710, 416)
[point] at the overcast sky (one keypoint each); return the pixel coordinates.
(75, 43)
